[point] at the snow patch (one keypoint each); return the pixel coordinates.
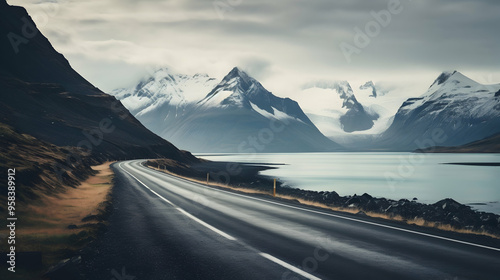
(262, 112)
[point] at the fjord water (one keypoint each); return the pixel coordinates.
(428, 177)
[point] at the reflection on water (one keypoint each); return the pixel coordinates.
(390, 175)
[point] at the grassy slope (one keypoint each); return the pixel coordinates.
(34, 161)
(46, 206)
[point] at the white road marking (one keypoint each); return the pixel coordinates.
(267, 256)
(166, 200)
(206, 225)
(340, 217)
(289, 266)
(212, 228)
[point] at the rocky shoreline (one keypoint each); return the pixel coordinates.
(446, 212)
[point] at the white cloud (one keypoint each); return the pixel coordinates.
(283, 42)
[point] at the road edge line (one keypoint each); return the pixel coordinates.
(210, 227)
(289, 266)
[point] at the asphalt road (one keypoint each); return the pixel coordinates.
(164, 227)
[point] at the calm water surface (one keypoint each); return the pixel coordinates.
(390, 175)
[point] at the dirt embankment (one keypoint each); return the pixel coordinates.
(41, 167)
(60, 224)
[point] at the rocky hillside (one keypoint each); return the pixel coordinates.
(40, 166)
(44, 97)
(54, 124)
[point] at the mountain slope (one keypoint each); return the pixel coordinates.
(28, 56)
(487, 145)
(44, 97)
(164, 97)
(454, 111)
(34, 160)
(237, 115)
(238, 90)
(165, 87)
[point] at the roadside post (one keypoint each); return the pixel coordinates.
(208, 176)
(274, 189)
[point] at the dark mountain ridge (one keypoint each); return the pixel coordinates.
(28, 56)
(487, 145)
(41, 95)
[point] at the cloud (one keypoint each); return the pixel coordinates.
(257, 67)
(280, 42)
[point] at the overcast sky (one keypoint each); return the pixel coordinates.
(283, 43)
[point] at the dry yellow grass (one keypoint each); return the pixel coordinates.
(424, 223)
(44, 226)
(245, 190)
(70, 207)
(419, 221)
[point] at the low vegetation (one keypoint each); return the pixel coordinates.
(55, 217)
(57, 226)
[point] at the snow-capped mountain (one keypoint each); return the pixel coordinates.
(164, 86)
(455, 110)
(238, 90)
(164, 96)
(374, 90)
(333, 107)
(236, 115)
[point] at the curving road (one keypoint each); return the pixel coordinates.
(164, 227)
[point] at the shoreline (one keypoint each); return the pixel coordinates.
(445, 214)
(474, 163)
(389, 175)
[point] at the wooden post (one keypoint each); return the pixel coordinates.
(208, 176)
(274, 189)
